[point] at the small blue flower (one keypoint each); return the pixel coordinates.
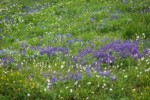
(87, 71)
(77, 75)
(53, 79)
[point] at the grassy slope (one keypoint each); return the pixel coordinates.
(26, 22)
(75, 17)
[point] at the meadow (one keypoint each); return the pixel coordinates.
(74, 50)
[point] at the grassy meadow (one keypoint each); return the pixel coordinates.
(74, 50)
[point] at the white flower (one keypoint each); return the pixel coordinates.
(104, 84)
(147, 70)
(71, 90)
(87, 98)
(48, 84)
(45, 89)
(66, 87)
(143, 33)
(62, 66)
(147, 60)
(142, 58)
(110, 89)
(137, 37)
(133, 90)
(125, 76)
(89, 83)
(76, 83)
(28, 94)
(121, 64)
(48, 80)
(97, 76)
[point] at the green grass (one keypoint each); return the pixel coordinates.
(26, 25)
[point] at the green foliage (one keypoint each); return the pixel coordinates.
(29, 24)
(132, 29)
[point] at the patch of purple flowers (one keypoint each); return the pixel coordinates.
(117, 50)
(6, 60)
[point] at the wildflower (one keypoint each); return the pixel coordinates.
(104, 73)
(76, 83)
(147, 60)
(124, 2)
(89, 83)
(137, 37)
(104, 84)
(62, 66)
(133, 90)
(77, 75)
(71, 90)
(110, 89)
(125, 76)
(28, 94)
(79, 86)
(97, 76)
(67, 87)
(142, 58)
(68, 35)
(53, 79)
(112, 78)
(87, 98)
(87, 71)
(45, 89)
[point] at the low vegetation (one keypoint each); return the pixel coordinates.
(74, 49)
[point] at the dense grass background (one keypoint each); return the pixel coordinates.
(74, 49)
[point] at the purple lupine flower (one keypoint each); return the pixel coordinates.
(69, 75)
(77, 75)
(60, 49)
(30, 76)
(57, 36)
(53, 79)
(92, 46)
(75, 40)
(65, 50)
(97, 68)
(49, 51)
(84, 52)
(75, 59)
(104, 73)
(107, 53)
(134, 52)
(109, 60)
(124, 2)
(83, 63)
(87, 71)
(145, 52)
(18, 66)
(7, 60)
(44, 75)
(69, 42)
(94, 64)
(112, 78)
(68, 35)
